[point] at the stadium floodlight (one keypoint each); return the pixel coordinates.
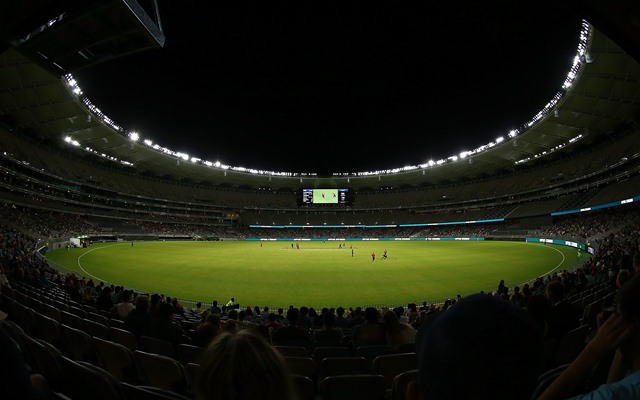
(134, 136)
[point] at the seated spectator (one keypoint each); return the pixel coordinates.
(138, 321)
(207, 331)
(328, 333)
(292, 334)
(103, 302)
(562, 316)
(122, 309)
(304, 320)
(215, 309)
(178, 308)
(412, 312)
(397, 332)
(198, 310)
(165, 328)
(620, 333)
(342, 321)
(273, 323)
(372, 331)
(481, 347)
(243, 366)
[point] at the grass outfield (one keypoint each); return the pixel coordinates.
(318, 274)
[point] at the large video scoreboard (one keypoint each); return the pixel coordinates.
(325, 196)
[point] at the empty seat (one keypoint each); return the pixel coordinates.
(370, 352)
(334, 366)
(353, 387)
(71, 320)
(90, 382)
(50, 311)
(96, 329)
(143, 392)
(151, 344)
(49, 329)
(304, 387)
(401, 382)
(46, 360)
(301, 365)
(391, 365)
(99, 318)
(161, 371)
(320, 353)
(117, 359)
(78, 344)
(293, 351)
(188, 353)
(124, 337)
(570, 345)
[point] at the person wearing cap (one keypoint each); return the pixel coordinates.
(481, 347)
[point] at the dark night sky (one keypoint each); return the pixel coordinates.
(311, 86)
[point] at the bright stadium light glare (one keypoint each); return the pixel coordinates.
(67, 139)
(134, 136)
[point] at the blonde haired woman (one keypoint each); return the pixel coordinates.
(242, 365)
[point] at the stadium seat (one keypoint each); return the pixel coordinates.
(143, 392)
(188, 353)
(117, 359)
(78, 311)
(49, 329)
(14, 330)
(161, 371)
(406, 348)
(353, 387)
(46, 360)
(78, 344)
(370, 352)
(50, 311)
(99, 318)
(191, 372)
(26, 318)
(334, 366)
(90, 382)
(293, 351)
(71, 320)
(124, 337)
(320, 353)
(96, 329)
(546, 378)
(571, 344)
(400, 383)
(157, 346)
(304, 387)
(391, 365)
(301, 365)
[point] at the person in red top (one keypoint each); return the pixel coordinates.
(373, 256)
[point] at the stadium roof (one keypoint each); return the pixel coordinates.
(603, 100)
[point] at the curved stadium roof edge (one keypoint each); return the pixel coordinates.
(602, 100)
